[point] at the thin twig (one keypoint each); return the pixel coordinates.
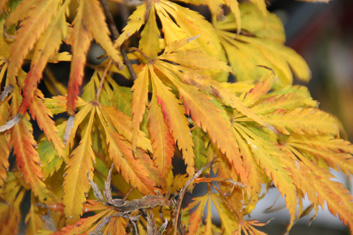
(183, 190)
(115, 34)
(99, 90)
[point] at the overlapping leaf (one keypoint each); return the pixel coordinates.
(27, 158)
(262, 42)
(39, 18)
(48, 43)
(89, 23)
(131, 167)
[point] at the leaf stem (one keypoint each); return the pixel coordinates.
(183, 190)
(115, 34)
(99, 90)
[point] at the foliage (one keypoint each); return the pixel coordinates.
(259, 130)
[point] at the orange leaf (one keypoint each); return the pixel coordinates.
(199, 106)
(129, 166)
(162, 140)
(123, 125)
(177, 123)
(31, 28)
(27, 158)
(80, 42)
(93, 17)
(48, 43)
(43, 116)
(139, 102)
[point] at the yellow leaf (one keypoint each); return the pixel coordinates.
(161, 138)
(319, 187)
(136, 20)
(335, 152)
(139, 102)
(20, 12)
(261, 4)
(81, 115)
(48, 43)
(43, 116)
(196, 216)
(80, 41)
(94, 20)
(192, 25)
(10, 208)
(34, 219)
(149, 42)
(131, 167)
(215, 88)
(51, 162)
(199, 106)
(123, 125)
(79, 167)
(31, 28)
(302, 121)
(177, 123)
(268, 157)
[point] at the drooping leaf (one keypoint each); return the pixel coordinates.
(80, 41)
(139, 102)
(123, 125)
(197, 214)
(335, 152)
(28, 161)
(177, 123)
(43, 116)
(48, 43)
(128, 165)
(31, 28)
(149, 42)
(198, 105)
(161, 138)
(79, 167)
(268, 157)
(136, 20)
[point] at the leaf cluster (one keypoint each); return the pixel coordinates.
(258, 131)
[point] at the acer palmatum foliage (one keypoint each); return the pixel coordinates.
(260, 130)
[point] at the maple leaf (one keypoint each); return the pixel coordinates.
(34, 25)
(178, 125)
(28, 161)
(48, 43)
(51, 161)
(10, 207)
(42, 115)
(335, 152)
(263, 44)
(299, 120)
(139, 102)
(133, 169)
(334, 193)
(161, 138)
(89, 22)
(80, 165)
